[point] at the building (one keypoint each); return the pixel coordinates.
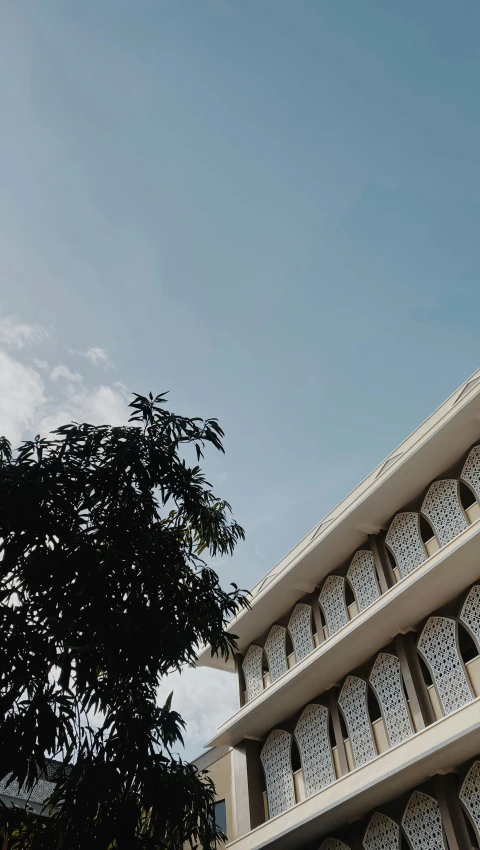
(218, 762)
(14, 795)
(358, 670)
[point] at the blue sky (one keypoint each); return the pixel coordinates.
(269, 208)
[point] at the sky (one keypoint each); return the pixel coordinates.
(270, 209)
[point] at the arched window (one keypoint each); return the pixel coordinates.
(470, 796)
(277, 765)
(382, 833)
(405, 543)
(332, 603)
(352, 702)
(253, 671)
(422, 823)
(443, 509)
(438, 646)
(363, 578)
(466, 644)
(467, 497)
(313, 739)
(333, 844)
(470, 614)
(471, 471)
(275, 650)
(300, 628)
(386, 681)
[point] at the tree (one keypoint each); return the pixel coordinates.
(103, 591)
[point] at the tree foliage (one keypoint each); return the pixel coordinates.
(104, 591)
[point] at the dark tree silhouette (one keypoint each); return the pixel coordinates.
(104, 591)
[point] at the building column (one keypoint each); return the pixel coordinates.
(356, 835)
(317, 618)
(248, 786)
(337, 731)
(452, 817)
(415, 686)
(382, 562)
(240, 680)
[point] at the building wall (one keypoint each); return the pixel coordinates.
(384, 714)
(435, 673)
(221, 774)
(218, 762)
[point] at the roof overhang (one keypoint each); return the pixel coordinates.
(435, 446)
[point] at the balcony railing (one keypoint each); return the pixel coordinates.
(442, 511)
(454, 683)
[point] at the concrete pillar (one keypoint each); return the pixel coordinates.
(356, 835)
(452, 817)
(248, 786)
(382, 561)
(240, 679)
(317, 619)
(415, 686)
(337, 731)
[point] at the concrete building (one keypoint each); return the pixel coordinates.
(218, 762)
(13, 795)
(358, 671)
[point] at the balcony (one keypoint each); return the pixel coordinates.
(449, 506)
(438, 748)
(380, 736)
(432, 448)
(444, 575)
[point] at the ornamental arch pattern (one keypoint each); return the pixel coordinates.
(405, 543)
(352, 702)
(386, 681)
(363, 578)
(471, 471)
(422, 823)
(39, 793)
(470, 614)
(313, 740)
(252, 667)
(443, 509)
(277, 765)
(382, 833)
(332, 603)
(275, 650)
(300, 628)
(333, 844)
(438, 646)
(470, 796)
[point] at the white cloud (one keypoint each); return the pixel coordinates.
(63, 373)
(205, 698)
(96, 355)
(25, 409)
(22, 398)
(103, 405)
(15, 334)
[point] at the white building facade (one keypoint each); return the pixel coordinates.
(358, 668)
